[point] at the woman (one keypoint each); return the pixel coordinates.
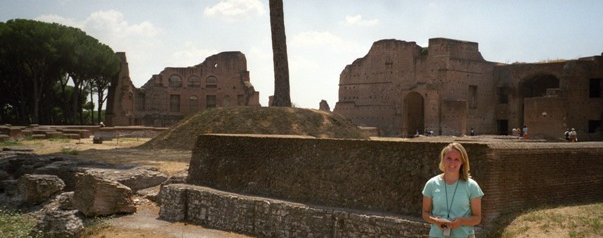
(452, 201)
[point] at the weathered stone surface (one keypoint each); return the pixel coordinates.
(35, 188)
(178, 177)
(65, 201)
(152, 193)
(173, 203)
(276, 218)
(324, 106)
(60, 223)
(135, 178)
(61, 166)
(96, 196)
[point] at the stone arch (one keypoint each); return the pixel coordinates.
(414, 113)
(175, 81)
(536, 85)
(211, 82)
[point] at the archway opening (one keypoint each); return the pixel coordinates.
(414, 113)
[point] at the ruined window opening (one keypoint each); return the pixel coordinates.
(472, 96)
(595, 88)
(594, 126)
(502, 126)
(175, 81)
(211, 82)
(193, 103)
(503, 95)
(210, 101)
(174, 103)
(140, 102)
(194, 82)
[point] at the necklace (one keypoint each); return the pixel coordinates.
(454, 193)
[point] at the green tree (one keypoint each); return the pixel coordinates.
(38, 60)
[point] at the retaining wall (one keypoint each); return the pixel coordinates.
(388, 176)
(265, 217)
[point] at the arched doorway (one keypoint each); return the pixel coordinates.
(535, 86)
(414, 113)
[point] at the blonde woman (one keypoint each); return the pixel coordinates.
(452, 201)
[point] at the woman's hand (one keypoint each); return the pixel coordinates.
(442, 223)
(455, 223)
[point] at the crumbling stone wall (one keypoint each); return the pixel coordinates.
(222, 80)
(373, 91)
(387, 176)
(266, 217)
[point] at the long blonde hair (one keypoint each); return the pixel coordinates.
(464, 171)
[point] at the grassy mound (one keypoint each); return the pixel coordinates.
(253, 120)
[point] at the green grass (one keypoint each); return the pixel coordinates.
(69, 151)
(60, 139)
(15, 225)
(95, 225)
(10, 143)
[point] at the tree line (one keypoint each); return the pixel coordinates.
(48, 70)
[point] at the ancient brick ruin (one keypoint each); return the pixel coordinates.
(283, 186)
(222, 80)
(449, 88)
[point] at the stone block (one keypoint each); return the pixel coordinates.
(96, 196)
(37, 188)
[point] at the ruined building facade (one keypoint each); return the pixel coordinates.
(222, 80)
(448, 87)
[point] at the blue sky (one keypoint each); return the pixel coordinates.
(323, 36)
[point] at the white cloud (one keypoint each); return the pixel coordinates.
(139, 40)
(59, 19)
(235, 9)
(358, 21)
(190, 55)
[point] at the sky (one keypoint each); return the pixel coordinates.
(323, 36)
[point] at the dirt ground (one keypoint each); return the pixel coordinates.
(145, 222)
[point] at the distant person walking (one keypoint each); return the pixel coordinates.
(567, 134)
(573, 135)
(472, 132)
(452, 201)
(525, 131)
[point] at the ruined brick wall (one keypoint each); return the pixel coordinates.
(387, 176)
(222, 80)
(120, 98)
(533, 175)
(266, 217)
(574, 107)
(373, 91)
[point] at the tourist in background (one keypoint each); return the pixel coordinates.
(567, 134)
(452, 200)
(573, 135)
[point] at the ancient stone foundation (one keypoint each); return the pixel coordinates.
(388, 176)
(276, 218)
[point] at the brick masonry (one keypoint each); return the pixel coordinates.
(388, 176)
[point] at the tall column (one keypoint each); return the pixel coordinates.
(279, 55)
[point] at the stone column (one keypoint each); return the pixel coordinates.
(279, 52)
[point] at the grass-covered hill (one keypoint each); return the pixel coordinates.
(255, 120)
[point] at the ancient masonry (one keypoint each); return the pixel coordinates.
(448, 87)
(222, 80)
